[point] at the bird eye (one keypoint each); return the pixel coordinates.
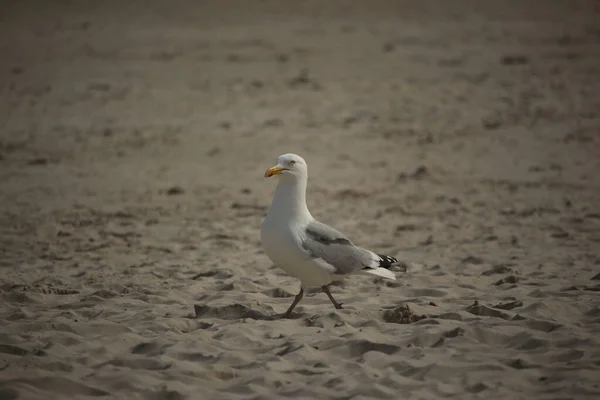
(292, 162)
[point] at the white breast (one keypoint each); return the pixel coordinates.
(282, 244)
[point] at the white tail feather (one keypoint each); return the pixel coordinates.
(386, 273)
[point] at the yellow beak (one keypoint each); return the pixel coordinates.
(273, 171)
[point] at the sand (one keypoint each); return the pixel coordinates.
(460, 136)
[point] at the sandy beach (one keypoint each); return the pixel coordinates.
(462, 137)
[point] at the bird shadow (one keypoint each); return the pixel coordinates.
(237, 311)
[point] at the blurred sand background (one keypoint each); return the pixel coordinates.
(462, 137)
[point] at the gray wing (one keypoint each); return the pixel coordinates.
(325, 243)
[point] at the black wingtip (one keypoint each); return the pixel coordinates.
(386, 261)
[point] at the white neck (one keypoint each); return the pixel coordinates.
(289, 201)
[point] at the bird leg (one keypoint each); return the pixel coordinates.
(296, 301)
(328, 293)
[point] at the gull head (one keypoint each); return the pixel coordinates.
(288, 165)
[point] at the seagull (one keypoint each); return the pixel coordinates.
(305, 248)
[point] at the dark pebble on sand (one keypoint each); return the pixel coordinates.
(175, 190)
(38, 161)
